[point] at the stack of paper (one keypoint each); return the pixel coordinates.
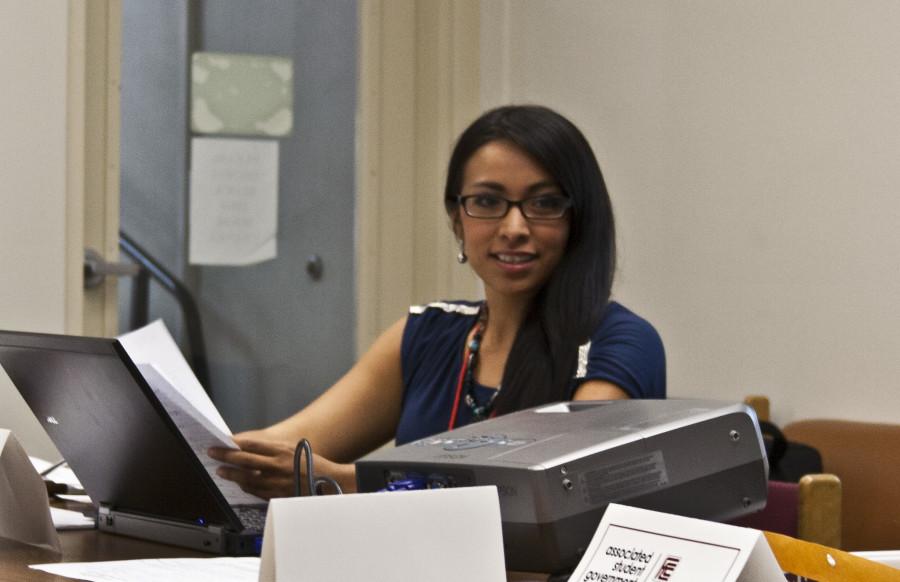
(162, 364)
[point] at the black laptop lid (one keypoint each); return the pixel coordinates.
(110, 427)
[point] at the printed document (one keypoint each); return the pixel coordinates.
(168, 569)
(162, 365)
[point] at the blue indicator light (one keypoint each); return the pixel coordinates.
(406, 484)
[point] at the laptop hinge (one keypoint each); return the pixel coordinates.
(205, 538)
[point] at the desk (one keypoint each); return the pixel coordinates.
(80, 546)
(95, 546)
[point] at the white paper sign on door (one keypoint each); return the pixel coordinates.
(234, 201)
(637, 545)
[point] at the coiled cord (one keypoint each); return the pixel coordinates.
(313, 483)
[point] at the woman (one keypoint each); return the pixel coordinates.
(527, 202)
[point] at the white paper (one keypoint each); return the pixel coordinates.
(198, 431)
(161, 363)
(632, 554)
(887, 557)
(438, 535)
(168, 569)
(40, 465)
(153, 344)
(65, 476)
(635, 545)
(76, 498)
(68, 519)
(234, 201)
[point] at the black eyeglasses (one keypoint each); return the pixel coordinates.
(546, 207)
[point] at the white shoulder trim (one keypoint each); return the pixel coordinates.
(583, 351)
(446, 307)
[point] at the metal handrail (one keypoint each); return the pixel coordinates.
(140, 303)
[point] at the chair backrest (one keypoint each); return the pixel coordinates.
(866, 458)
(809, 510)
(759, 404)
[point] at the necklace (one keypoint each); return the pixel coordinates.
(480, 411)
(465, 383)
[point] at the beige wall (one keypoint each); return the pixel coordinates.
(418, 89)
(33, 207)
(59, 176)
(33, 167)
(751, 150)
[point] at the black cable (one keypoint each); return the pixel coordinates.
(327, 481)
(313, 483)
(303, 446)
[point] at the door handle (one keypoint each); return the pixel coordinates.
(96, 269)
(314, 267)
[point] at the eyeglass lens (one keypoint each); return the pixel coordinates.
(493, 206)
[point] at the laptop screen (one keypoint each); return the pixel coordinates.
(111, 428)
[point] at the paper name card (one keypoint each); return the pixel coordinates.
(438, 535)
(24, 508)
(637, 545)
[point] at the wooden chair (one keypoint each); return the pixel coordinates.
(809, 510)
(759, 404)
(866, 458)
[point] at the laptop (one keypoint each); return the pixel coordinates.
(123, 446)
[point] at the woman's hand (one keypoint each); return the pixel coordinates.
(265, 467)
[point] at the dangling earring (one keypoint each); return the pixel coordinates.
(461, 257)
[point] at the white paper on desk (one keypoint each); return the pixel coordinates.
(887, 557)
(234, 201)
(154, 570)
(40, 465)
(200, 433)
(24, 508)
(68, 519)
(638, 544)
(86, 499)
(65, 476)
(438, 535)
(153, 344)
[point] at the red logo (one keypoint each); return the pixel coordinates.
(667, 568)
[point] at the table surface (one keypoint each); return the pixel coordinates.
(80, 546)
(94, 546)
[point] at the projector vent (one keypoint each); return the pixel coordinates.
(624, 479)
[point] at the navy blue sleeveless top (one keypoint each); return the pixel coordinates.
(624, 350)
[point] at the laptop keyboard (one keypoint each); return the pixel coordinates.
(253, 517)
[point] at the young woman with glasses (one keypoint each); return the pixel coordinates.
(529, 207)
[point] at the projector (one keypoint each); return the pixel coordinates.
(556, 468)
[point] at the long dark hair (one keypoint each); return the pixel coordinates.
(569, 307)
